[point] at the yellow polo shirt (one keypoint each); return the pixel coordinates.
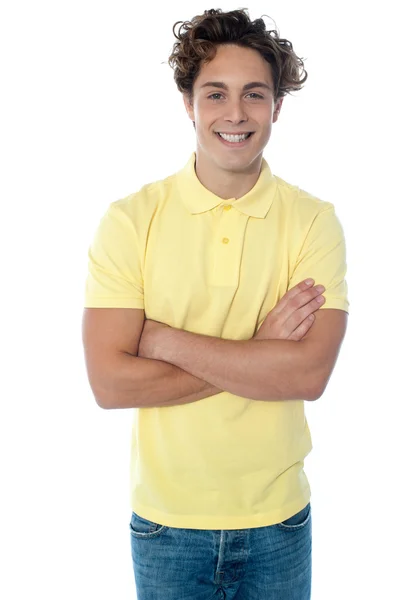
(217, 267)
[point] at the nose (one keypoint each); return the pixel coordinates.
(235, 112)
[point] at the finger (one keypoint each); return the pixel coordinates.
(297, 289)
(303, 328)
(301, 314)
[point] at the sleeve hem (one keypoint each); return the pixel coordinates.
(113, 303)
(340, 304)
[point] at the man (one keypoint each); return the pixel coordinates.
(198, 315)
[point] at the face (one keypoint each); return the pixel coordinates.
(228, 107)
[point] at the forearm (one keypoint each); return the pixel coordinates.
(142, 383)
(256, 369)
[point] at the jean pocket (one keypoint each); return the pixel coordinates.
(297, 521)
(143, 528)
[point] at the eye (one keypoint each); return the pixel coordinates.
(255, 94)
(212, 96)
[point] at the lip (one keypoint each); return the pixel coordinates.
(234, 132)
(234, 144)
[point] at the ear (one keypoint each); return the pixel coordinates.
(189, 107)
(277, 109)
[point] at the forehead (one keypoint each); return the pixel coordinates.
(236, 63)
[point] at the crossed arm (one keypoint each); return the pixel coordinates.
(257, 369)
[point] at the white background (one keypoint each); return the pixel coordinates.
(89, 114)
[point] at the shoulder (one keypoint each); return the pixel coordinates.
(302, 205)
(140, 206)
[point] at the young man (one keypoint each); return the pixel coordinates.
(198, 315)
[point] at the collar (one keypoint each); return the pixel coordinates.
(198, 198)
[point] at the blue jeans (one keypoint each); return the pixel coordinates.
(260, 563)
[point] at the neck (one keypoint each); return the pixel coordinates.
(227, 183)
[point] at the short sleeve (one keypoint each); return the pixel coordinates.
(114, 277)
(323, 258)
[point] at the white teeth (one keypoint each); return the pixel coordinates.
(234, 138)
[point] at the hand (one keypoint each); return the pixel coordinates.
(151, 339)
(289, 319)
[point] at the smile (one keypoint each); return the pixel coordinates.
(237, 141)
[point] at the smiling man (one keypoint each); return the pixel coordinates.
(233, 120)
(198, 315)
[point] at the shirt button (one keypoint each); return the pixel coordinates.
(227, 207)
(225, 240)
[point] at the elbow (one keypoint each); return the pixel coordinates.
(103, 405)
(311, 391)
(109, 401)
(317, 392)
(313, 397)
(102, 401)
(102, 398)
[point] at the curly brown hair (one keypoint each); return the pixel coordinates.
(200, 37)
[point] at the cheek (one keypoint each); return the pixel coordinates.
(206, 114)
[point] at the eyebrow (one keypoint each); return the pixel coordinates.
(247, 86)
